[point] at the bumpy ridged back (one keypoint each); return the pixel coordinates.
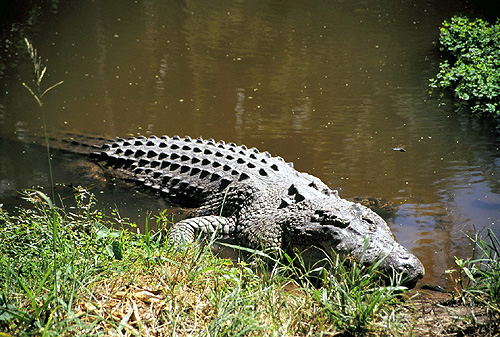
(186, 168)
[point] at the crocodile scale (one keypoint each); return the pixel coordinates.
(259, 199)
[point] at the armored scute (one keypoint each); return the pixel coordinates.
(256, 198)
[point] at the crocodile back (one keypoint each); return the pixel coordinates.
(187, 171)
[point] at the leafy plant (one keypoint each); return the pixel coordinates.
(473, 68)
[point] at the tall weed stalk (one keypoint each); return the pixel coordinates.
(38, 94)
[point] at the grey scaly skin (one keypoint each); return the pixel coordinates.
(259, 199)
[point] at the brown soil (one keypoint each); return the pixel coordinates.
(442, 314)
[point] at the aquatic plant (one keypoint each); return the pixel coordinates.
(472, 69)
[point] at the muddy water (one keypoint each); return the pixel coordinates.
(331, 85)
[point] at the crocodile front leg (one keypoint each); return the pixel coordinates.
(187, 230)
(261, 228)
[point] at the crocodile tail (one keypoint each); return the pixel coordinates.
(72, 142)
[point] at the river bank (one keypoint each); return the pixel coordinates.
(80, 271)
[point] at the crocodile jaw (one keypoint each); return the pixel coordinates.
(365, 237)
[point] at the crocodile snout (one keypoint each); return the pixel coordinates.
(406, 264)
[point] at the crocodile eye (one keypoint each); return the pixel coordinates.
(330, 219)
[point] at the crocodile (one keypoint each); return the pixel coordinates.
(259, 200)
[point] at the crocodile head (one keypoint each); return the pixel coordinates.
(355, 231)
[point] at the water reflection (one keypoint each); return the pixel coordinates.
(101, 41)
(332, 86)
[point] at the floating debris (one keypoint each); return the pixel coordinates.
(400, 148)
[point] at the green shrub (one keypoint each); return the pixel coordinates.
(473, 71)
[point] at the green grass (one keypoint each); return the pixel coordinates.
(31, 262)
(113, 280)
(477, 279)
(118, 281)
